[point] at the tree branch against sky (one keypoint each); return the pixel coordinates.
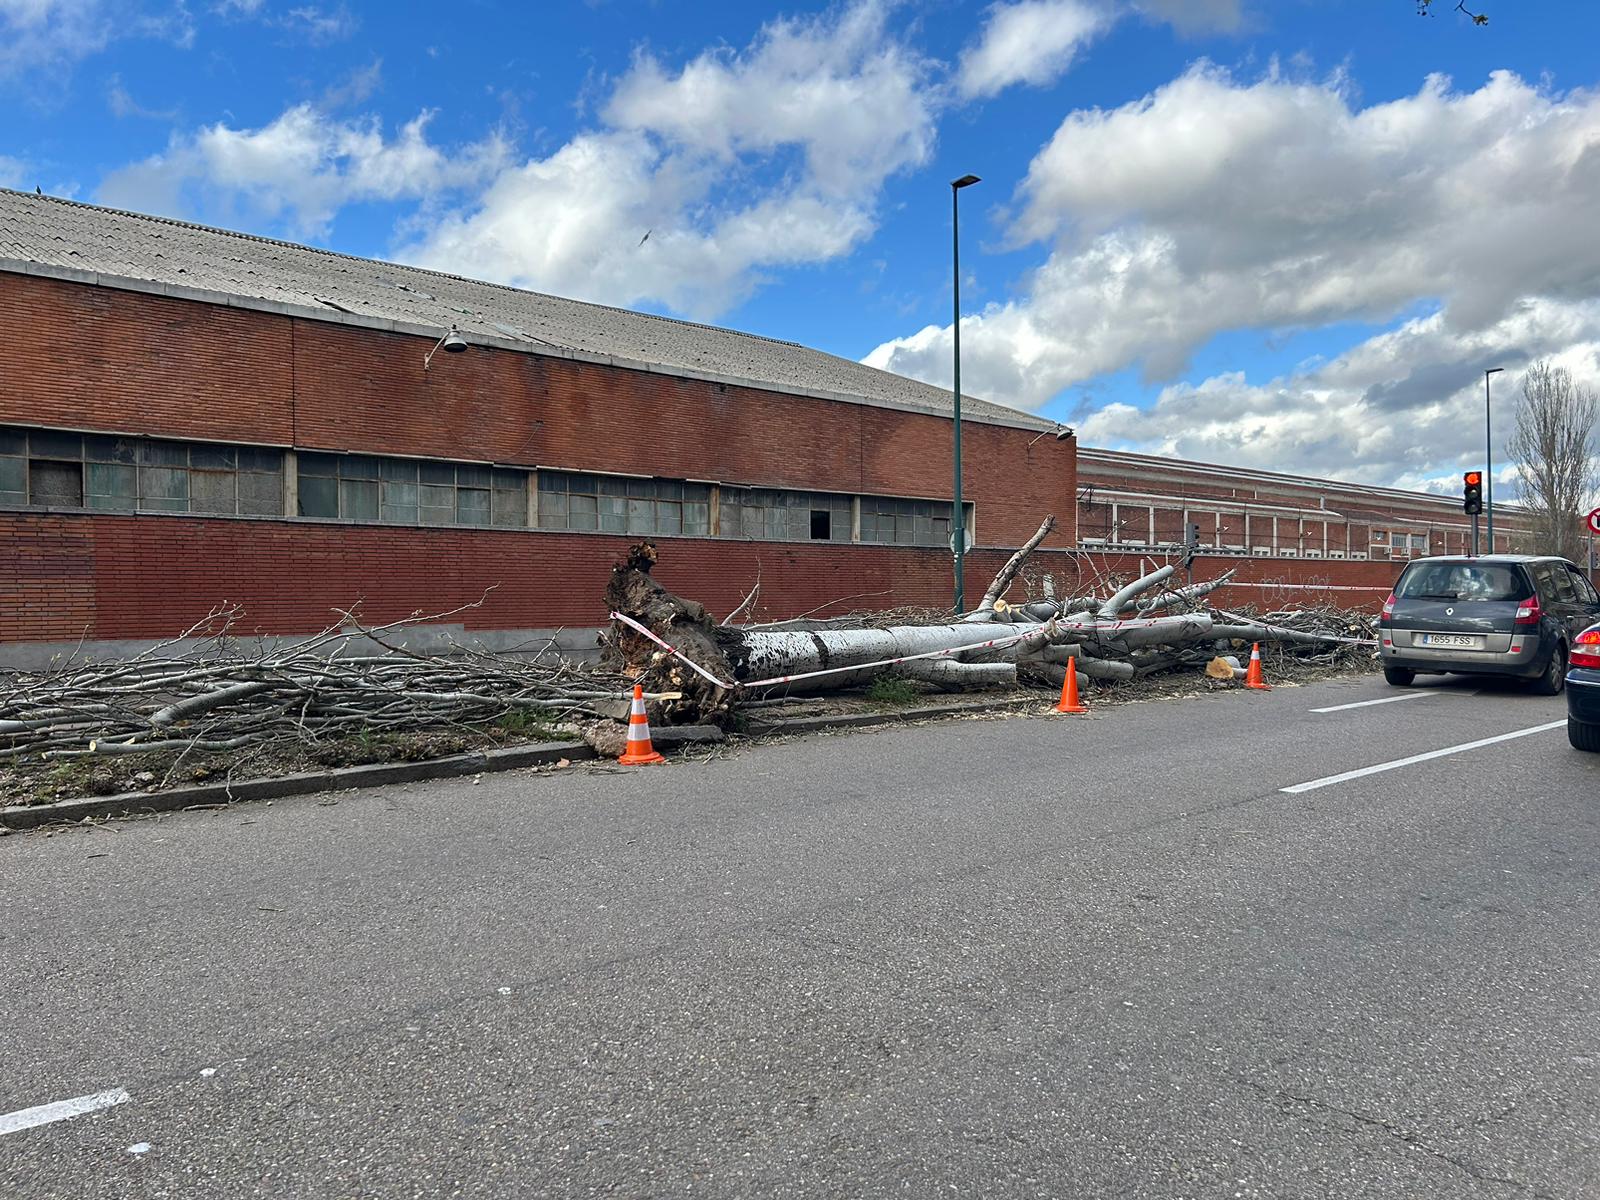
(1558, 471)
(1425, 9)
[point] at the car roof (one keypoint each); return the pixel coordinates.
(1493, 558)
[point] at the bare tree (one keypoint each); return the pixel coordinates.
(1554, 448)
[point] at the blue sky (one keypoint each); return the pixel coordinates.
(1287, 234)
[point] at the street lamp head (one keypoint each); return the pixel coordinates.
(965, 181)
(1061, 433)
(451, 343)
(1494, 370)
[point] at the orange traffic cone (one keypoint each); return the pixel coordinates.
(1069, 691)
(639, 751)
(1253, 678)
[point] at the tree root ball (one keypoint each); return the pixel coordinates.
(682, 624)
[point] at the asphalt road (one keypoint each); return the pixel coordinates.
(1055, 957)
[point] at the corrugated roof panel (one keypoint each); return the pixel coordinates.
(63, 233)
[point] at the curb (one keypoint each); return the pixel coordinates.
(30, 816)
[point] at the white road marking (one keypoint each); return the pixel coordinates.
(1328, 781)
(1370, 703)
(61, 1110)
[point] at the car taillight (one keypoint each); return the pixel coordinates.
(1388, 607)
(1528, 612)
(1586, 650)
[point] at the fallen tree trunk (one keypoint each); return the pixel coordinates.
(959, 675)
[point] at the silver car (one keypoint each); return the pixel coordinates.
(1513, 615)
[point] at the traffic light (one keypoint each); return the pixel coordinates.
(1191, 534)
(1472, 493)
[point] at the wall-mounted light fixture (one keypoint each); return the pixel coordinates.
(1061, 433)
(452, 343)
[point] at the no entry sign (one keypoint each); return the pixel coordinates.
(1594, 520)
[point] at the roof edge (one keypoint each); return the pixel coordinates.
(1091, 454)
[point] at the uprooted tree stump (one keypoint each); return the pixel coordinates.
(683, 624)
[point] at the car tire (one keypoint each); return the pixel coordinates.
(1399, 676)
(1583, 736)
(1554, 678)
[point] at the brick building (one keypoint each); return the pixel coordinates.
(190, 417)
(1138, 500)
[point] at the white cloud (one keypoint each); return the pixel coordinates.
(736, 162)
(1211, 205)
(299, 170)
(318, 26)
(47, 34)
(1031, 41)
(13, 172)
(122, 103)
(1404, 408)
(1195, 16)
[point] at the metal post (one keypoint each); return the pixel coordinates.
(958, 527)
(1488, 453)
(1474, 535)
(958, 523)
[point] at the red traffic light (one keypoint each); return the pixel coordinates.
(1473, 478)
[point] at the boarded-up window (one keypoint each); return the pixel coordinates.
(55, 484)
(1169, 525)
(1230, 530)
(1132, 525)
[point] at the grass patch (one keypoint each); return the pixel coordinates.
(533, 723)
(892, 692)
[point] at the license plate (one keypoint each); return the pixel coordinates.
(1463, 640)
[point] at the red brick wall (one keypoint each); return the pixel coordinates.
(129, 362)
(80, 357)
(68, 576)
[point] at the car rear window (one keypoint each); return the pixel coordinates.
(1462, 581)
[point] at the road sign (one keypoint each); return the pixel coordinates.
(1594, 520)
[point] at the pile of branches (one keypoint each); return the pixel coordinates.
(225, 694)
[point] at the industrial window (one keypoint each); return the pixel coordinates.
(1398, 543)
(615, 504)
(403, 491)
(774, 515)
(908, 522)
(120, 474)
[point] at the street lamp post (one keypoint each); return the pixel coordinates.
(958, 524)
(1488, 452)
